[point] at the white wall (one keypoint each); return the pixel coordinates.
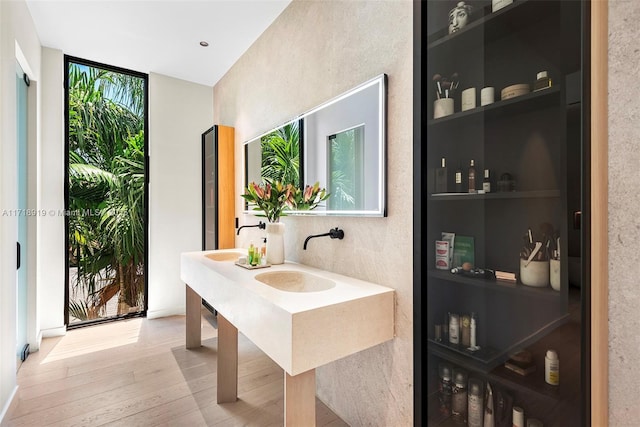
(179, 113)
(18, 40)
(51, 256)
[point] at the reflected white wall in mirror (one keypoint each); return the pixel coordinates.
(343, 148)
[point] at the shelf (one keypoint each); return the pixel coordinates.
(483, 360)
(493, 26)
(537, 194)
(524, 103)
(496, 285)
(490, 361)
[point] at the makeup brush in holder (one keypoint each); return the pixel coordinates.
(445, 89)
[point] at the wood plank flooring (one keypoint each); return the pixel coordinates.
(137, 372)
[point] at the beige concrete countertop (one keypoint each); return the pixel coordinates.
(298, 330)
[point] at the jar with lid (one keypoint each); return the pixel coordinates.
(543, 81)
(459, 400)
(475, 408)
(445, 388)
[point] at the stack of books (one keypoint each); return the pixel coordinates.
(505, 276)
(521, 363)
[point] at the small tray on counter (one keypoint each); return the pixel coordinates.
(251, 267)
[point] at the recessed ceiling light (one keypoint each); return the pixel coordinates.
(204, 43)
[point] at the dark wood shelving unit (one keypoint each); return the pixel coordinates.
(530, 137)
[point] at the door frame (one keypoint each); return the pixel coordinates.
(145, 77)
(599, 274)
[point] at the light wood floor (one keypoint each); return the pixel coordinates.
(138, 373)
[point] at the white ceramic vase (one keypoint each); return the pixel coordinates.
(275, 243)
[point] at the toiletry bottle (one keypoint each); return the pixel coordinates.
(459, 395)
(251, 253)
(256, 257)
(486, 183)
(459, 180)
(472, 177)
(552, 368)
(445, 388)
(473, 330)
(263, 252)
(518, 417)
(454, 328)
(489, 418)
(465, 334)
(475, 409)
(441, 178)
(543, 81)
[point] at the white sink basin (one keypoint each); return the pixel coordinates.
(295, 281)
(224, 256)
(300, 316)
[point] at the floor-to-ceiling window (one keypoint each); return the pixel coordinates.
(106, 192)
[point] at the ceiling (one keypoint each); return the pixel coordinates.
(159, 36)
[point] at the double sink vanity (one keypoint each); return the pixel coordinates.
(300, 316)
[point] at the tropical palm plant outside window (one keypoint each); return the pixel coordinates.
(106, 192)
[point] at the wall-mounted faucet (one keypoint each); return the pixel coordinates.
(261, 225)
(334, 233)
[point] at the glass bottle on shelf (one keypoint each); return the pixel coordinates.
(472, 177)
(441, 178)
(486, 183)
(459, 180)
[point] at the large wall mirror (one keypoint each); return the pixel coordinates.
(341, 144)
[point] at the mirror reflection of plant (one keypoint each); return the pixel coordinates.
(281, 155)
(106, 178)
(273, 198)
(310, 198)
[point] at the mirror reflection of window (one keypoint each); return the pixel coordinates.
(345, 165)
(281, 154)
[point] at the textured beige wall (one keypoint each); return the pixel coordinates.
(624, 205)
(314, 51)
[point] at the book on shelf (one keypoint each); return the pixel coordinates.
(463, 250)
(520, 367)
(506, 276)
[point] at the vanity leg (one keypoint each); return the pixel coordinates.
(300, 399)
(193, 319)
(227, 361)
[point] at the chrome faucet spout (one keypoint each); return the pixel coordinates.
(334, 233)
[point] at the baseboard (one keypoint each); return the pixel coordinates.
(174, 311)
(53, 332)
(9, 404)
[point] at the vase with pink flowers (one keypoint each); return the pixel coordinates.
(273, 199)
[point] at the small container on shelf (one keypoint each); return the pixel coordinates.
(534, 273)
(506, 183)
(543, 81)
(515, 90)
(442, 107)
(496, 5)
